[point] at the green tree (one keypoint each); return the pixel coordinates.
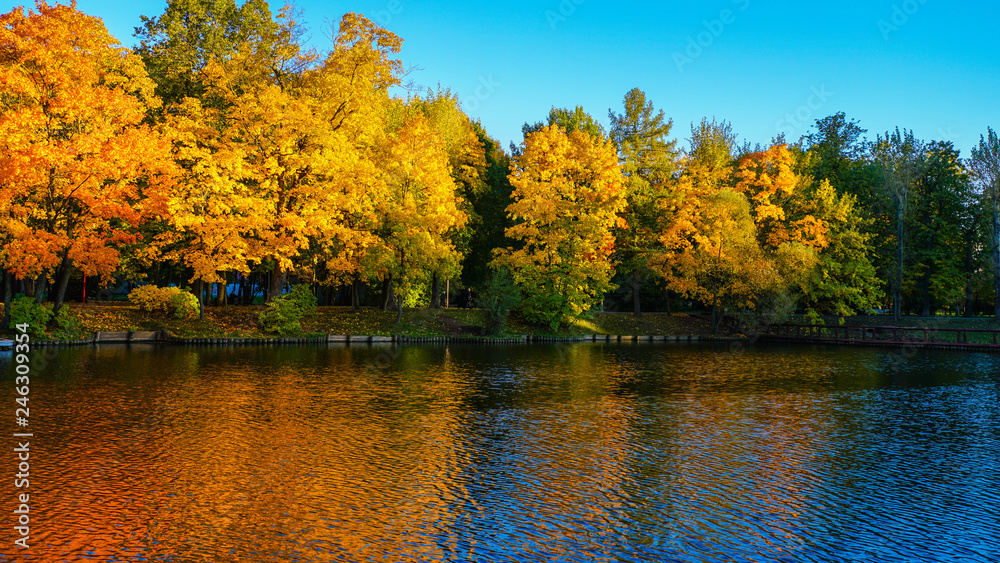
(937, 266)
(846, 280)
(648, 160)
(900, 157)
(490, 211)
(985, 168)
(178, 44)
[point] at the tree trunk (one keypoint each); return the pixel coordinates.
(897, 287)
(399, 309)
(40, 282)
(278, 279)
(715, 314)
(201, 299)
(63, 283)
(667, 293)
(636, 307)
(436, 292)
(969, 295)
(355, 298)
(387, 293)
(996, 264)
(8, 296)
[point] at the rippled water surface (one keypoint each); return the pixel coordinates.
(586, 452)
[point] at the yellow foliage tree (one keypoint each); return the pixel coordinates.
(420, 210)
(739, 240)
(467, 162)
(284, 161)
(567, 196)
(779, 209)
(79, 171)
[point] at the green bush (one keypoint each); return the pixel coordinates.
(284, 314)
(24, 310)
(499, 297)
(165, 300)
(67, 325)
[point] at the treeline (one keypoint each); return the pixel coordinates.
(221, 151)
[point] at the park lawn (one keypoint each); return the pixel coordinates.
(241, 322)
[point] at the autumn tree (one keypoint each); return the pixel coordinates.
(740, 238)
(768, 180)
(567, 194)
(985, 168)
(420, 209)
(648, 161)
(212, 215)
(467, 165)
(576, 119)
(178, 44)
(706, 169)
(79, 171)
(296, 135)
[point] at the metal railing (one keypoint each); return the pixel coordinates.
(888, 335)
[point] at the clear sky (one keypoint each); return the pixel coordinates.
(768, 67)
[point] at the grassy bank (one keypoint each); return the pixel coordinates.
(241, 322)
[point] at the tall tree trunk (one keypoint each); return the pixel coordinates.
(996, 264)
(355, 298)
(926, 282)
(399, 309)
(63, 283)
(436, 291)
(40, 282)
(667, 293)
(278, 279)
(715, 314)
(201, 299)
(387, 293)
(897, 287)
(969, 295)
(636, 307)
(8, 296)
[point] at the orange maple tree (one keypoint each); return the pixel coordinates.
(79, 171)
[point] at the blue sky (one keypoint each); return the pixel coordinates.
(768, 67)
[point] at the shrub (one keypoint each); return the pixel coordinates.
(67, 325)
(24, 310)
(165, 300)
(499, 297)
(284, 314)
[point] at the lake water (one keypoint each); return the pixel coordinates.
(584, 452)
